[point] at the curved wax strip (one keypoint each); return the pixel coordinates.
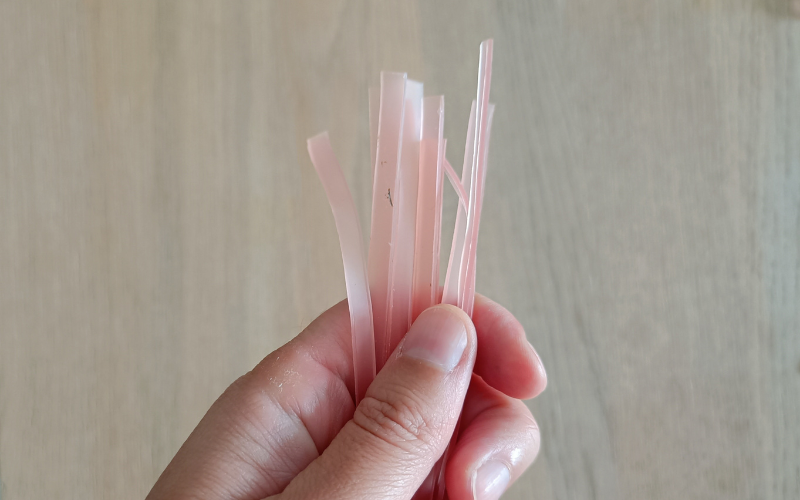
(387, 160)
(355, 268)
(457, 186)
(402, 251)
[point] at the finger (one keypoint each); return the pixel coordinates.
(272, 422)
(498, 441)
(406, 419)
(506, 360)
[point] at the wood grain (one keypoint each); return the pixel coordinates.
(162, 228)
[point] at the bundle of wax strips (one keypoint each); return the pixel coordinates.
(400, 276)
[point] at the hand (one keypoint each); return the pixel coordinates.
(289, 428)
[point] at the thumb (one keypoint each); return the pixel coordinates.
(404, 423)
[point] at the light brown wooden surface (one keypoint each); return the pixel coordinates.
(162, 229)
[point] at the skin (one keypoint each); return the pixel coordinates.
(289, 429)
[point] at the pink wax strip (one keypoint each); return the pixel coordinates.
(426, 250)
(452, 176)
(374, 107)
(467, 266)
(478, 154)
(437, 229)
(355, 268)
(469, 294)
(387, 158)
(438, 471)
(451, 281)
(402, 250)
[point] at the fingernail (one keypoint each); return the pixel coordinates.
(539, 360)
(490, 481)
(438, 336)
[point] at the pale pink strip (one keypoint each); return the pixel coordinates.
(426, 260)
(387, 157)
(469, 295)
(481, 122)
(355, 267)
(451, 282)
(437, 228)
(452, 176)
(402, 253)
(475, 189)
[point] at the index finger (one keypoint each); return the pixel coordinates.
(506, 360)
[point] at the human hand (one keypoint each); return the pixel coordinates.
(289, 427)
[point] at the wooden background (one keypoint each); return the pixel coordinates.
(162, 229)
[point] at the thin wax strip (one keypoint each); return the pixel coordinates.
(402, 252)
(467, 271)
(387, 158)
(470, 283)
(452, 176)
(355, 268)
(451, 288)
(426, 251)
(478, 152)
(437, 221)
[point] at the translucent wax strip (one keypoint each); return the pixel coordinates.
(387, 158)
(438, 471)
(478, 153)
(439, 468)
(426, 254)
(477, 175)
(450, 294)
(355, 267)
(452, 176)
(437, 227)
(405, 220)
(469, 295)
(374, 107)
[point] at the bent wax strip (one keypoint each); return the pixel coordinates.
(478, 154)
(450, 294)
(452, 176)
(405, 220)
(429, 208)
(355, 269)
(387, 158)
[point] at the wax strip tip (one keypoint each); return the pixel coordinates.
(320, 135)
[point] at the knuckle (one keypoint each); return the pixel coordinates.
(397, 419)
